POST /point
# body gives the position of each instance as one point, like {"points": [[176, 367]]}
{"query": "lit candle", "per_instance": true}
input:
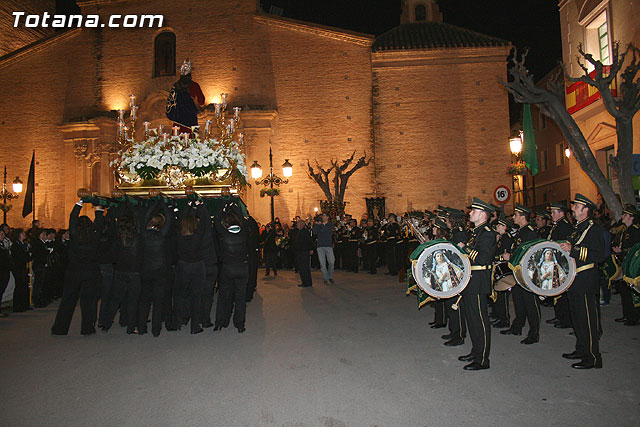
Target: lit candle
{"points": [[125, 132], [241, 137], [159, 129], [133, 112], [217, 109], [120, 128], [164, 137], [185, 139], [232, 125], [146, 129], [132, 100], [237, 113], [175, 130], [121, 116], [224, 99]]}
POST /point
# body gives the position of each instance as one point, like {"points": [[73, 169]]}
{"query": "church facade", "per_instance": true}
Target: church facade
{"points": [[423, 100]]}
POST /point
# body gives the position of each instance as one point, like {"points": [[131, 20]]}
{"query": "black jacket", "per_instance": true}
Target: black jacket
{"points": [[303, 241], [233, 241], [560, 230], [83, 255], [155, 255], [587, 248], [481, 248]]}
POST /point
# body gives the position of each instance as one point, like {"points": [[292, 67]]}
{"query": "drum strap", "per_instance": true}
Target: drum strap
{"points": [[584, 233], [585, 267]]}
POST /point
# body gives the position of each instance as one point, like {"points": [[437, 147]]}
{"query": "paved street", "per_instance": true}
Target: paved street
{"points": [[357, 353]]}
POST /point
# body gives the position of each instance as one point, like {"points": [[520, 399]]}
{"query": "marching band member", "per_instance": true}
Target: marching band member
{"points": [[586, 246], [560, 230], [526, 304], [457, 328], [504, 245], [631, 236], [481, 248]]}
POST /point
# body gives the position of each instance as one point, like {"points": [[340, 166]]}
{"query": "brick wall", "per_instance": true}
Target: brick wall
{"points": [[14, 38], [441, 132]]}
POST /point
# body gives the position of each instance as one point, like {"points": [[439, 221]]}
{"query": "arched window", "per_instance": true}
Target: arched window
{"points": [[164, 54], [421, 13]]}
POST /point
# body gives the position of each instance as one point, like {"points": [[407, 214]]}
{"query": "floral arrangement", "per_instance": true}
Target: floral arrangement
{"points": [[271, 192], [517, 168], [167, 158]]}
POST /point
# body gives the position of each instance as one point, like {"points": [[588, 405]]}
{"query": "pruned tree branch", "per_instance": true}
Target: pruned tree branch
{"points": [[321, 178]]}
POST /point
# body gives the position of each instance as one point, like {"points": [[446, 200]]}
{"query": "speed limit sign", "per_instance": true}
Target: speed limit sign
{"points": [[502, 194]]}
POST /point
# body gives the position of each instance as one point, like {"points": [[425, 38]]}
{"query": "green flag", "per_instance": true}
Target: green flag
{"points": [[529, 149]]}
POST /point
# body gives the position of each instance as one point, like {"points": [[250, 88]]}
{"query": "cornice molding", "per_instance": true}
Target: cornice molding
{"points": [[36, 47], [319, 30]]}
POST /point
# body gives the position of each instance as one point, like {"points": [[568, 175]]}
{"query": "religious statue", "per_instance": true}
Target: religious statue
{"points": [[185, 100]]}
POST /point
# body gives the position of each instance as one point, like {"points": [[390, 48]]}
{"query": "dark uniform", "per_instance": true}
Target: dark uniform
{"points": [[501, 305], [587, 248], [457, 326], [526, 304], [559, 231], [392, 234], [630, 237], [370, 253], [481, 248], [354, 236]]}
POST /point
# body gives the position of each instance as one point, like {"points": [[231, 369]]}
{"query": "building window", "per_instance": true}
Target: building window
{"points": [[597, 39], [560, 153], [421, 13], [543, 163], [603, 43], [164, 56]]}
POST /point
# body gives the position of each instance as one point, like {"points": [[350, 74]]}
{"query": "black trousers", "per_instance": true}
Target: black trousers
{"points": [[629, 312], [270, 259], [439, 316], [561, 310], [82, 284], [104, 292], [21, 294], [390, 257], [352, 257], [125, 292], [476, 315], [501, 307], [585, 315], [4, 282], [370, 256], [232, 294], [207, 294], [303, 260], [457, 324], [37, 291], [254, 259], [153, 292], [190, 283], [527, 307]]}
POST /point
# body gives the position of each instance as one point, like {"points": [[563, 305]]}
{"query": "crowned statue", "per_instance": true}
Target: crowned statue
{"points": [[185, 100]]}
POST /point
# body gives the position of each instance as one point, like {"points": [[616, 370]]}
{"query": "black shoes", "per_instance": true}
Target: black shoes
{"points": [[572, 356], [241, 329], [475, 366], [197, 331], [436, 326], [207, 325], [511, 332], [446, 336], [529, 340], [588, 364], [217, 328], [621, 319], [554, 320], [466, 358], [304, 286], [454, 342], [561, 326], [501, 325], [331, 281]]}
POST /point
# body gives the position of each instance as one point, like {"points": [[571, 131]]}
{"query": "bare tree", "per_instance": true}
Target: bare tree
{"points": [[341, 175], [621, 108], [550, 101]]}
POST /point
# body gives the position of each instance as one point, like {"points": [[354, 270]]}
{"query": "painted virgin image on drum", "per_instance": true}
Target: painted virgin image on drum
{"points": [[444, 270], [548, 268]]}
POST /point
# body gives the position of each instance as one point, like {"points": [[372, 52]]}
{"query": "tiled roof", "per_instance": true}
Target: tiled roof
{"points": [[432, 35]]}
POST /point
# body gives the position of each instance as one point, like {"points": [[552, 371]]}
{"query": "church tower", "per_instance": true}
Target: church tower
{"points": [[417, 11]]}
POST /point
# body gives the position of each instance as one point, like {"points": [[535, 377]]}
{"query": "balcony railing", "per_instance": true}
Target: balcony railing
{"points": [[580, 94]]}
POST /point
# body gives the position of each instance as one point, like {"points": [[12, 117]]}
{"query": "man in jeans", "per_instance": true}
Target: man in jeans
{"points": [[323, 230]]}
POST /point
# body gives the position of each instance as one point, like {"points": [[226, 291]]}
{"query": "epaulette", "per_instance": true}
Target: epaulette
{"points": [[487, 228], [531, 227]]}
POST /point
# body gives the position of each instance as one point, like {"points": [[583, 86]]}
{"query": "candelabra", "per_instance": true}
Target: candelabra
{"points": [[271, 179]]}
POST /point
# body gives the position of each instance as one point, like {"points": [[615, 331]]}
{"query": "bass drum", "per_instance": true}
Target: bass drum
{"points": [[542, 267], [631, 269], [503, 278], [440, 268]]}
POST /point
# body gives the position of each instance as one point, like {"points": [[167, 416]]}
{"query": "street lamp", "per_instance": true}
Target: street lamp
{"points": [[516, 145], [7, 195], [567, 152], [271, 179]]}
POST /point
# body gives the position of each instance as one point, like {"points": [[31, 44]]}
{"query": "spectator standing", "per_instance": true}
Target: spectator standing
{"points": [[323, 230]]}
